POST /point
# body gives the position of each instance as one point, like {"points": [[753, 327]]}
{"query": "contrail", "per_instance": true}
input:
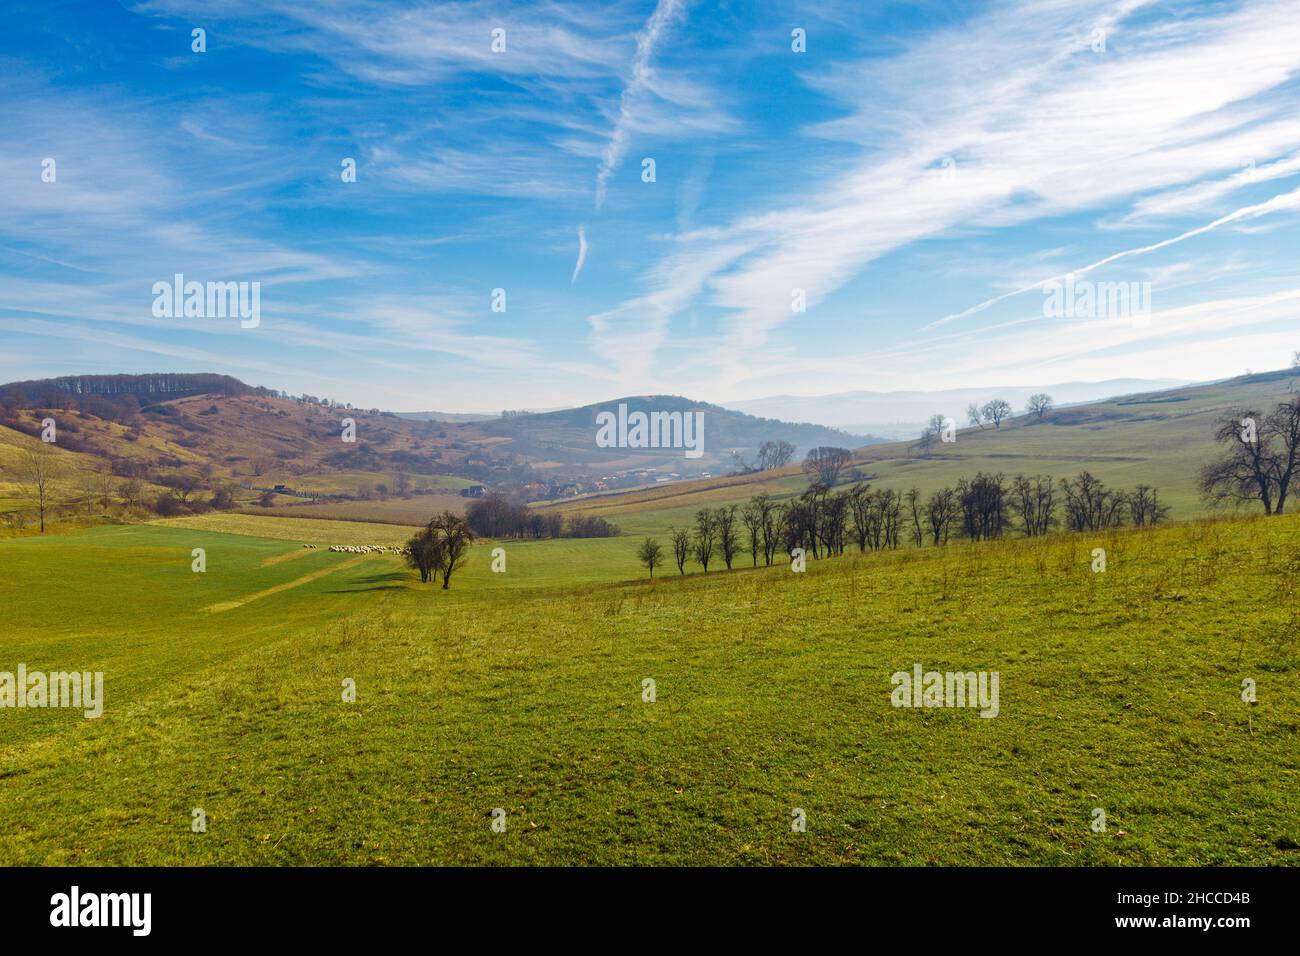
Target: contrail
{"points": [[645, 47], [1282, 201], [582, 254]]}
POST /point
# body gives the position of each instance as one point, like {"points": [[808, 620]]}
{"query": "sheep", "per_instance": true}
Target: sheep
{"points": [[367, 549]]}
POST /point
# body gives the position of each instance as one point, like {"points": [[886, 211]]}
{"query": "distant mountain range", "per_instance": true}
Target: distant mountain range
{"points": [[899, 415]]}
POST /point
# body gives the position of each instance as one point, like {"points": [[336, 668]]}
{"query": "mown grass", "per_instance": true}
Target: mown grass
{"points": [[302, 530], [1119, 690], [416, 510]]}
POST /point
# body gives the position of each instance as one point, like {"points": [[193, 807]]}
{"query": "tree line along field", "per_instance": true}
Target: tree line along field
{"points": [[1120, 690]]}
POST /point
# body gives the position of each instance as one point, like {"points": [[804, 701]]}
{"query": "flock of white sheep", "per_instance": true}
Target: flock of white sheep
{"points": [[362, 549]]}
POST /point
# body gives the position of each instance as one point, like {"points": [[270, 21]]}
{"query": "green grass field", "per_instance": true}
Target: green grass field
{"points": [[523, 691]]}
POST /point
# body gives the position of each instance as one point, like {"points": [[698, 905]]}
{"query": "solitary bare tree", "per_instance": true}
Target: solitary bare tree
{"points": [[37, 469], [774, 454], [825, 464], [933, 430], [453, 538], [1040, 404], [650, 554], [996, 410], [1262, 456]]}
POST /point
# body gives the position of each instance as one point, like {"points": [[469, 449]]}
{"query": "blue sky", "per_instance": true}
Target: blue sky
{"points": [[919, 171]]}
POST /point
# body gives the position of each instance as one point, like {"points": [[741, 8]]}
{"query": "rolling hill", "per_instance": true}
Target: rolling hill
{"points": [[400, 470], [204, 431], [1158, 438], [901, 415], [565, 437]]}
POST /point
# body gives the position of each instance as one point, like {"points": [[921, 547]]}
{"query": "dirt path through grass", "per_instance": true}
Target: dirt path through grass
{"points": [[296, 582], [287, 556]]}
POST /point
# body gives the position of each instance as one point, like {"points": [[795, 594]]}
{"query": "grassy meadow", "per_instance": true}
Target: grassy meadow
{"points": [[523, 691]]}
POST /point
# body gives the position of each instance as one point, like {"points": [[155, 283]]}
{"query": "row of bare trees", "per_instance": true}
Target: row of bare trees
{"points": [[825, 523], [992, 412], [996, 410]]}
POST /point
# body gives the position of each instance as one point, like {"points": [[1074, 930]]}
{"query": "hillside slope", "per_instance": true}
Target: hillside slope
{"points": [[1157, 438], [199, 432], [568, 436]]}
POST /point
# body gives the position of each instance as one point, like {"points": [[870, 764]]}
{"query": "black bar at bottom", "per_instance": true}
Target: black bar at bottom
{"points": [[337, 905]]}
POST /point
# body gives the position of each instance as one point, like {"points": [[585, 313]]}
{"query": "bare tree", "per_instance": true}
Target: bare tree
{"points": [[37, 469], [133, 492], [454, 538], [983, 504], [1145, 507], [803, 518], [751, 516], [825, 463], [424, 553], [1040, 404], [1090, 505], [705, 530], [914, 509], [772, 517], [1033, 499], [650, 554], [933, 430], [774, 454], [995, 410], [94, 485], [1262, 456], [975, 416], [1283, 426], [739, 466], [832, 522], [940, 511], [860, 507], [728, 536], [681, 548]]}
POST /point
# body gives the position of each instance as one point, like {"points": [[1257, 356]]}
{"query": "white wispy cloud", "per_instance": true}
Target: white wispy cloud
{"points": [[582, 254], [1036, 125], [664, 13]]}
